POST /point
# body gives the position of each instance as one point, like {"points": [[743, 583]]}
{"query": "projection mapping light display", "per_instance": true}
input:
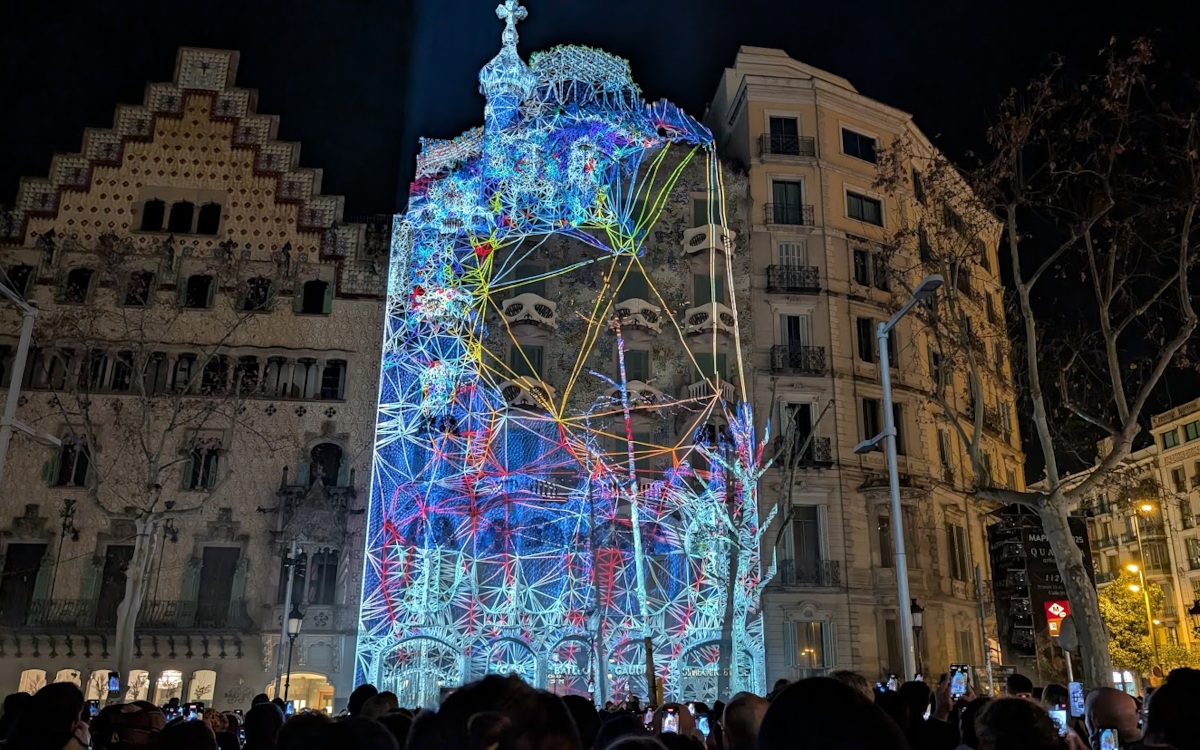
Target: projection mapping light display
{"points": [[566, 462]]}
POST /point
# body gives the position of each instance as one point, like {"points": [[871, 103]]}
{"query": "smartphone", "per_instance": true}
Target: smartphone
{"points": [[1076, 691], [114, 683], [691, 707], [1109, 740], [893, 683], [93, 708], [291, 708], [670, 721], [702, 725], [960, 680], [649, 719], [169, 713], [242, 735], [1059, 715]]}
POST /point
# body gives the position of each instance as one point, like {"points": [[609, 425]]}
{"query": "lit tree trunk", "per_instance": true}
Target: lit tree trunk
{"points": [[725, 666], [137, 577]]}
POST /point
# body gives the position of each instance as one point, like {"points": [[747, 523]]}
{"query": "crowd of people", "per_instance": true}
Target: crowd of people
{"points": [[839, 712]]}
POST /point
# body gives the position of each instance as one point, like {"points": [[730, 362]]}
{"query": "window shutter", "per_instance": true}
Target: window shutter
{"points": [[238, 592], [41, 584], [213, 284], [298, 299], [181, 292], [789, 643], [302, 472], [190, 588], [186, 476], [327, 305], [90, 587], [829, 644], [343, 477], [51, 467]]}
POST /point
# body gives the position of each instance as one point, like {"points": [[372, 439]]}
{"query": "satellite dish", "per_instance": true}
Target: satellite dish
{"points": [[1068, 639]]}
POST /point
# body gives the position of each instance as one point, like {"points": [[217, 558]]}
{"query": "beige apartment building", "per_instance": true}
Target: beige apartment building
{"points": [[822, 277], [209, 328], [1149, 515]]}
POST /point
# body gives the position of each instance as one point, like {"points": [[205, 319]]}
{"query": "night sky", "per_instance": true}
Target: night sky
{"points": [[357, 81]]}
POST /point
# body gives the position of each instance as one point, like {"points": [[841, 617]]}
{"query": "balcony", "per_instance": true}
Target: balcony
{"points": [[993, 420], [810, 573], [787, 145], [1105, 577], [714, 386], [79, 614], [713, 316], [794, 279], [640, 394], [527, 393], [709, 237], [793, 214], [61, 613], [531, 309], [804, 360], [637, 313], [818, 454]]}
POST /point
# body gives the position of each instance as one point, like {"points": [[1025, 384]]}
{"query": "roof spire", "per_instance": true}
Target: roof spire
{"points": [[511, 12]]}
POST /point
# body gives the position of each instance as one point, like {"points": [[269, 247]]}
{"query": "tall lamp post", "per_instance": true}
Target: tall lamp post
{"points": [[927, 289], [294, 621], [1146, 598], [918, 621]]}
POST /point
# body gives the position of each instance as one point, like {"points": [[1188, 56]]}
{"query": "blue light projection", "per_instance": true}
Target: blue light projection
{"points": [[543, 518]]}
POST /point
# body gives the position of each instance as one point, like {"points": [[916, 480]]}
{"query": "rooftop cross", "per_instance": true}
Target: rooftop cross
{"points": [[511, 12]]}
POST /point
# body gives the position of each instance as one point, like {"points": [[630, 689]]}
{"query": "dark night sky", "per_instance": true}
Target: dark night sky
{"points": [[356, 81]]}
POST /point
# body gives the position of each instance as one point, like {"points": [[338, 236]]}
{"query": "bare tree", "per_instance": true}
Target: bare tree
{"points": [[146, 434], [1096, 180]]}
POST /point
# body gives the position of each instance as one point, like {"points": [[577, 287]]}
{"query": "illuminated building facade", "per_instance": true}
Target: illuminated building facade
{"points": [[566, 460]]}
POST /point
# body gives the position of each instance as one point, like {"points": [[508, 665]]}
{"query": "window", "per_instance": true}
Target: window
{"points": [[898, 422], [810, 646], [218, 568], [944, 451], [937, 369], [787, 205], [870, 416], [19, 278], [153, 213], [529, 281], [215, 376], [862, 267], [708, 288], [858, 145], [333, 380], [257, 294], [200, 472], [122, 373], [275, 383], [316, 298], [76, 287], [180, 221], [1010, 476], [185, 369], [245, 375], [637, 365], [156, 373], [705, 212], [923, 246], [964, 642], [806, 542], [880, 272], [956, 551], [60, 369], [918, 186], [891, 635], [785, 136], [865, 209], [94, 371], [963, 279], [792, 254], [794, 331], [112, 582], [866, 339], [1191, 431], [953, 220], [634, 286], [325, 464], [1179, 479], [305, 378], [986, 479], [887, 549], [526, 361], [1156, 556], [137, 292], [7, 354], [74, 461], [712, 365], [321, 577], [1170, 439], [893, 337], [199, 292], [998, 355], [210, 219], [22, 563]]}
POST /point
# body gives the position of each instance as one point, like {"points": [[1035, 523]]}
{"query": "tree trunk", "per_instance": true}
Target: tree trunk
{"points": [[725, 666], [137, 575], [1085, 605]]}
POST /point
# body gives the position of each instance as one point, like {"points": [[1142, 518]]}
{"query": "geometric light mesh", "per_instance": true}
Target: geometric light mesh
{"points": [[543, 497]]}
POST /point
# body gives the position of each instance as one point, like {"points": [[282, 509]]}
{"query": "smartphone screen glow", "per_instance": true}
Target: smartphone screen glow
{"points": [[702, 725], [670, 722], [1059, 714]]}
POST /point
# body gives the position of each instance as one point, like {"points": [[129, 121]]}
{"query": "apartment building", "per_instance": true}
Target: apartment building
{"points": [[209, 329], [826, 267]]}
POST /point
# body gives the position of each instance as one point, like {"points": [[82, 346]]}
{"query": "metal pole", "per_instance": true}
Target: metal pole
{"points": [[287, 607], [28, 314], [983, 633], [1137, 529], [287, 685], [907, 647]]}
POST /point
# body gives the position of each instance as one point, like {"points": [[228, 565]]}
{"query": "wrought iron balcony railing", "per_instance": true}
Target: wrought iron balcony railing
{"points": [[63, 613], [810, 573], [806, 360], [789, 213], [786, 145], [798, 279]]}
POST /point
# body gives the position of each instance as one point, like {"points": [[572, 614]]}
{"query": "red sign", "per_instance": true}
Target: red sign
{"points": [[1055, 612]]}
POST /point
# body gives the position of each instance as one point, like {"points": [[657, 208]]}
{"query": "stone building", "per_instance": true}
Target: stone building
{"points": [[206, 354], [827, 265]]}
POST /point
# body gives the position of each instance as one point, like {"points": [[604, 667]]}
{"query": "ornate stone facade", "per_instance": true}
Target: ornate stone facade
{"points": [[247, 290]]}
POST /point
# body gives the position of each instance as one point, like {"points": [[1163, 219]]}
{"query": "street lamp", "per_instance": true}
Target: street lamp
{"points": [[927, 289], [1135, 588], [294, 621], [918, 621]]}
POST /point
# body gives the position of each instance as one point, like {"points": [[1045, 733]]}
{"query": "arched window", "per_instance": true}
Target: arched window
{"points": [[137, 291], [256, 296], [333, 379], [203, 461], [215, 377], [153, 212], [181, 218], [185, 369], [315, 299], [76, 286], [74, 460], [245, 375], [325, 461], [199, 291], [210, 219]]}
